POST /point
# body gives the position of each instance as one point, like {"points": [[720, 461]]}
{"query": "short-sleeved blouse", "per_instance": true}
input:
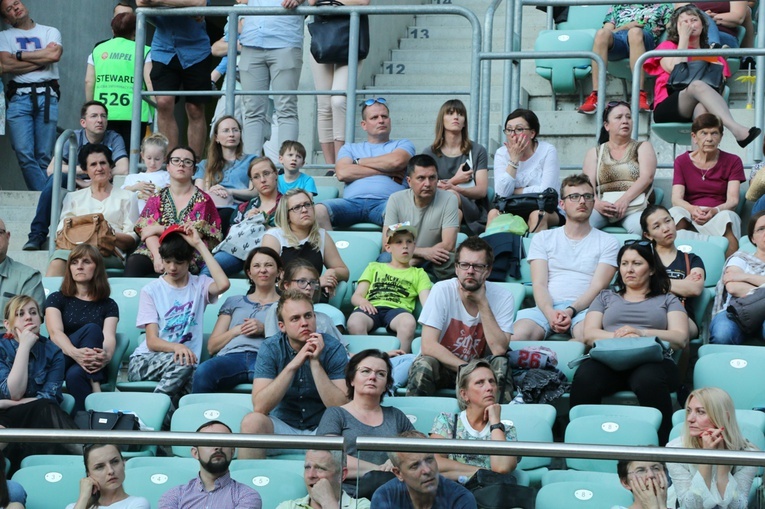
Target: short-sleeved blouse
{"points": [[617, 174], [199, 211], [707, 188], [444, 426], [76, 313], [650, 313]]}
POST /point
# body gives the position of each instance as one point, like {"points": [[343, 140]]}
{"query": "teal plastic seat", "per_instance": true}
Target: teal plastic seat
{"points": [[161, 462], [744, 244], [358, 343], [739, 373], [275, 485], [357, 251], [533, 423], [151, 408], [564, 73], [126, 292], [244, 400], [711, 252], [51, 284], [647, 414], [556, 476], [326, 193], [422, 410], [52, 460], [519, 293], [337, 316], [238, 287], [582, 495], [189, 417], [51, 486], [151, 482], [268, 463], [607, 430], [67, 404], [584, 17]]}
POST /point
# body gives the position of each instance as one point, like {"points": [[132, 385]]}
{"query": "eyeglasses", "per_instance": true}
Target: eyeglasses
{"points": [[516, 130], [370, 102], [261, 176], [305, 283], [639, 242], [576, 197], [642, 471], [365, 372], [478, 267], [297, 208], [177, 161], [234, 130]]}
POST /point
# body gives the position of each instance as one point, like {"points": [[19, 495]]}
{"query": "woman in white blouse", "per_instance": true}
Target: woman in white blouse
{"points": [[526, 165], [710, 423], [118, 206]]}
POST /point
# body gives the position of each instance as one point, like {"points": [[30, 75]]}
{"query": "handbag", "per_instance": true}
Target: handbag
{"points": [[330, 36], [243, 237], [756, 184], [493, 490], [748, 311], [524, 204], [90, 229], [108, 421], [684, 73], [622, 354]]}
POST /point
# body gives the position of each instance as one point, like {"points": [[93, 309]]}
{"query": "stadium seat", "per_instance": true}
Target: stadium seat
{"points": [[533, 423], [753, 418], [113, 368], [67, 404], [51, 486], [151, 408], [275, 485], [648, 414], [326, 193], [607, 430], [743, 350], [582, 494], [416, 345], [744, 244], [337, 316], [189, 417], [266, 464], [712, 253], [740, 375], [564, 73], [125, 292], [357, 252], [244, 400], [51, 284], [358, 343], [519, 293], [238, 287], [422, 410], [153, 481], [556, 476], [52, 460], [161, 462]]}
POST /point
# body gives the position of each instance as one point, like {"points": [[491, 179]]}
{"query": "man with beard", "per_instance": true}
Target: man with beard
{"points": [[464, 318], [214, 486], [569, 267], [418, 484]]}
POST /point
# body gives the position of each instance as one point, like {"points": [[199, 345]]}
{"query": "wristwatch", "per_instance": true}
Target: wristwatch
{"points": [[18, 56], [573, 311], [356, 161], [499, 425]]}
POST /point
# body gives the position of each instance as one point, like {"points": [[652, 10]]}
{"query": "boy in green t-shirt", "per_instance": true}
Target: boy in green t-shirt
{"points": [[387, 292]]}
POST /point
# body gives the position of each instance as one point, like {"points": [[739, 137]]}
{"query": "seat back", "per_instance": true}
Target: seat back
{"points": [[563, 73], [423, 410], [51, 460], [582, 494], [357, 249], [325, 193], [189, 417], [153, 481], [647, 414], [607, 430], [518, 291], [584, 17], [358, 343], [161, 462], [533, 423], [50, 486], [738, 373], [126, 293], [711, 252], [213, 398], [274, 484]]}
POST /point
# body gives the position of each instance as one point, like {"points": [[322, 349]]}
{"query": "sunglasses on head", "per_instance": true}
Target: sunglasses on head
{"points": [[370, 102], [639, 242]]}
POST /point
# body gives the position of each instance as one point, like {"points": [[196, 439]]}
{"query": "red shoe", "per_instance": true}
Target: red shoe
{"points": [[644, 104], [590, 104]]}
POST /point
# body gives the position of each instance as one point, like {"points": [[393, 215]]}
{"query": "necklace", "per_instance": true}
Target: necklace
{"points": [[698, 165]]}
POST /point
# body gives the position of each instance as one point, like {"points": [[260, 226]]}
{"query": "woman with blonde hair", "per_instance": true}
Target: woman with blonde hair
{"points": [[710, 424], [462, 164], [297, 235]]}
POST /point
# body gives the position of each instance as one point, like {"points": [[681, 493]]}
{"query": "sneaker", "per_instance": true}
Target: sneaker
{"points": [[644, 104], [590, 104]]}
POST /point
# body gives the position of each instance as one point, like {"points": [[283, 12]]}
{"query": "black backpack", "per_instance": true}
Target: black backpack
{"points": [[508, 253]]}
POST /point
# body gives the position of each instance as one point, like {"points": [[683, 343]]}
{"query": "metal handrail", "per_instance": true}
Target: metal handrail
{"points": [[58, 163], [233, 13], [731, 52]]}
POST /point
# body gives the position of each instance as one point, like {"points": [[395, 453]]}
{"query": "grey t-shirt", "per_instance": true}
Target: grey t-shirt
{"points": [[449, 166], [650, 313], [239, 308]]}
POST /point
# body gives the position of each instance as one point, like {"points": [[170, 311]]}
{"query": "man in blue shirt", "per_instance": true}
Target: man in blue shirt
{"points": [[371, 170], [94, 121], [418, 484], [298, 374], [181, 60]]}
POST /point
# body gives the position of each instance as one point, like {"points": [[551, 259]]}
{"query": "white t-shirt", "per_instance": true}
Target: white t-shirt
{"points": [[129, 503], [179, 312], [736, 261], [36, 38], [159, 178], [461, 333], [540, 171], [572, 263]]}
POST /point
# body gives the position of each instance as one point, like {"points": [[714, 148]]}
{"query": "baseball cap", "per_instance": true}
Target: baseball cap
{"points": [[175, 228], [406, 226]]}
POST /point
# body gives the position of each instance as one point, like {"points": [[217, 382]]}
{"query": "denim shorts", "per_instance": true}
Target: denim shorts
{"points": [[535, 315], [621, 47]]}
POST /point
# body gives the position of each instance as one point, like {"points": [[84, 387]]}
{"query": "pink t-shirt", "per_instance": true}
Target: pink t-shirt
{"points": [[653, 67], [711, 190]]}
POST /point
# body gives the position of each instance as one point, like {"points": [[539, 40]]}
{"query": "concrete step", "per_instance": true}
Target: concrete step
{"points": [[35, 259], [415, 55]]}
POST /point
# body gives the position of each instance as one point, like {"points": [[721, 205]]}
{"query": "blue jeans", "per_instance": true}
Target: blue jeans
{"points": [[230, 264], [31, 138], [41, 222], [401, 365], [224, 372], [715, 36], [347, 212], [759, 205], [724, 331], [77, 379]]}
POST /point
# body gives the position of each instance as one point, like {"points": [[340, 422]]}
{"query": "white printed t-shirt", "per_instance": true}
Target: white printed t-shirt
{"points": [[571, 263], [461, 333], [178, 312], [36, 38]]}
